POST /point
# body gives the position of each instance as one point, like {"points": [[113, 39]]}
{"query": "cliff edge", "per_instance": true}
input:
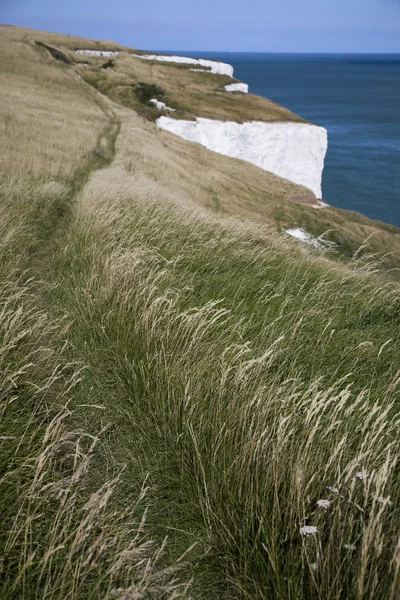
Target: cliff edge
{"points": [[295, 151]]}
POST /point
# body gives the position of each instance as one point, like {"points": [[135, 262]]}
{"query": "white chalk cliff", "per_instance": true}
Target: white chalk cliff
{"points": [[295, 151], [161, 105], [97, 52], [212, 66], [237, 87]]}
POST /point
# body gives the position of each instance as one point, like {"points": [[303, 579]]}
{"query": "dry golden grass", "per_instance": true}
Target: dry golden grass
{"points": [[193, 94], [49, 120], [196, 94], [70, 42]]}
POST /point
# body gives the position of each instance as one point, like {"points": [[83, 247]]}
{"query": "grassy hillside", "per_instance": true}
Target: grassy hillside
{"points": [[181, 384], [191, 94]]}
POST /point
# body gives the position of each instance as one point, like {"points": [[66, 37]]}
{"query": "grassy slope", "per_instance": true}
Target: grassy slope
{"points": [[227, 186], [230, 373], [192, 94]]}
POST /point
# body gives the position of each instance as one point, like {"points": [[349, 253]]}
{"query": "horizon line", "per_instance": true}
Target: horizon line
{"points": [[272, 52]]}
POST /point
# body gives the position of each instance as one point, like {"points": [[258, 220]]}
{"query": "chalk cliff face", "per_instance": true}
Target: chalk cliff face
{"points": [[295, 151], [104, 53], [212, 66], [237, 87]]}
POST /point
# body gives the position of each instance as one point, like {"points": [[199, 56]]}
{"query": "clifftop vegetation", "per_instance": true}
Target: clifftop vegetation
{"points": [[193, 405]]}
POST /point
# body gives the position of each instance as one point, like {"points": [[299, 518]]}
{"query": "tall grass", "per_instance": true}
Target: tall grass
{"points": [[63, 535], [255, 382], [63, 540]]}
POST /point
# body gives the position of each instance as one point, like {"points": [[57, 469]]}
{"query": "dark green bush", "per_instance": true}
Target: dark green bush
{"points": [[145, 92]]}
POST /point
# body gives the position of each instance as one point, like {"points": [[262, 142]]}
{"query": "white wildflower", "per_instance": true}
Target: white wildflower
{"points": [[386, 501], [332, 489], [324, 504], [313, 566], [308, 530], [361, 475], [350, 547]]}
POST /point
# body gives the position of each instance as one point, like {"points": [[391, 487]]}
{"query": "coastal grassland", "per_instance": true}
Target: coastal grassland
{"points": [[68, 42], [60, 535], [175, 369], [195, 94], [49, 121], [192, 94], [228, 186], [236, 188], [244, 378]]}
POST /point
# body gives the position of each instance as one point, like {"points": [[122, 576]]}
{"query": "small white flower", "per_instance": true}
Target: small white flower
{"points": [[332, 489], [350, 547], [313, 566], [308, 530], [361, 475], [324, 504], [386, 501]]}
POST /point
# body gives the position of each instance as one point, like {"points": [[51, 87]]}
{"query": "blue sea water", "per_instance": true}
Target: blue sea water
{"points": [[357, 99]]}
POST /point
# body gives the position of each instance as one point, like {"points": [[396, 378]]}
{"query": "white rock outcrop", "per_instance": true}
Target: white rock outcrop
{"points": [[161, 105], [212, 66], [237, 87], [307, 238], [97, 52], [295, 151], [299, 234]]}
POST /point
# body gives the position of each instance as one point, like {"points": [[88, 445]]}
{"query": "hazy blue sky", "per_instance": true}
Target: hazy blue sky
{"points": [[239, 25]]}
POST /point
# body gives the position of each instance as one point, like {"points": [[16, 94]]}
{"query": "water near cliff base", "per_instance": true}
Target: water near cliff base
{"points": [[356, 97]]}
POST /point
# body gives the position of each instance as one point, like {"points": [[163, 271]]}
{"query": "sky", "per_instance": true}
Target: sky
{"points": [[220, 25]]}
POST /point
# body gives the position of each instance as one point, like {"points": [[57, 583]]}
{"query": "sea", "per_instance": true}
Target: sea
{"points": [[357, 99]]}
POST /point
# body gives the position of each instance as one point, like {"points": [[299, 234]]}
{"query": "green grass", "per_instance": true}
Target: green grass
{"points": [[239, 454], [180, 386]]}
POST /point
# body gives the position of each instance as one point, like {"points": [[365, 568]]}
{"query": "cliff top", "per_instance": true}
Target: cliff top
{"points": [[132, 81], [53, 77]]}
